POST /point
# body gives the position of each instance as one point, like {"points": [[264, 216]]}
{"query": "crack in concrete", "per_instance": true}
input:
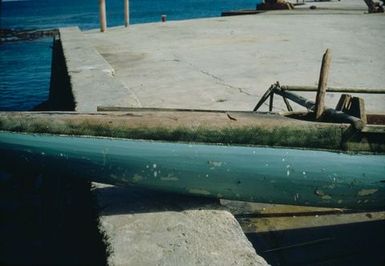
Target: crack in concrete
{"points": [[218, 79], [133, 95], [222, 82]]}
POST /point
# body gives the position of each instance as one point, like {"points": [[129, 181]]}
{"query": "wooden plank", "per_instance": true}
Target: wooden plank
{"points": [[240, 12], [266, 224], [334, 89], [322, 85]]}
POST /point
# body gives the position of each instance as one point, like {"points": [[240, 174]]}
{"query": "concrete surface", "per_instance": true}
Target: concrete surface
{"points": [[153, 228], [228, 62]]}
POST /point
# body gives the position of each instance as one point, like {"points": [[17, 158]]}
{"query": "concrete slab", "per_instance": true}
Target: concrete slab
{"points": [[153, 228]]}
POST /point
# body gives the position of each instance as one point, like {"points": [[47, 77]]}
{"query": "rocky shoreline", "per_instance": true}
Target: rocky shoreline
{"points": [[14, 35]]}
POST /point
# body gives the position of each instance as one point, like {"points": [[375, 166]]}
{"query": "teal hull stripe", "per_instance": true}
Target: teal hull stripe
{"points": [[261, 174]]}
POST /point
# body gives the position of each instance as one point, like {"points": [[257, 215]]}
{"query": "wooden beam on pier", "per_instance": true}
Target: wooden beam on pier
{"points": [[333, 89]]}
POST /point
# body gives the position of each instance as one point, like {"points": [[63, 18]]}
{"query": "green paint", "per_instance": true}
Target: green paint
{"points": [[245, 173]]}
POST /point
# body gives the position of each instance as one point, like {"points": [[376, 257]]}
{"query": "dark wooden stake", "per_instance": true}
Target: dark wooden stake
{"points": [[322, 85], [264, 98], [358, 109], [271, 102], [288, 106], [344, 102]]}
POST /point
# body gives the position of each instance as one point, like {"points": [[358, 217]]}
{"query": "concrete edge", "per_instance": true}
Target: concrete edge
{"points": [[156, 228], [91, 76]]}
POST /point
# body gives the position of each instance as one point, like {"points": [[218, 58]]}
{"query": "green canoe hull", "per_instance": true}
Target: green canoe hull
{"points": [[259, 174]]}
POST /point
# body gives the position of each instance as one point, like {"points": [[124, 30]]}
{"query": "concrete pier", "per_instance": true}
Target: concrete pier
{"points": [[223, 63], [227, 62]]}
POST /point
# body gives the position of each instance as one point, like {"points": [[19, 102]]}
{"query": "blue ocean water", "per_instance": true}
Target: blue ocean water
{"points": [[25, 66]]}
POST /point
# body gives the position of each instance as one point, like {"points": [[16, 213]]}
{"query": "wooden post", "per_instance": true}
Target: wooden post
{"points": [[102, 15], [343, 103], [357, 109], [271, 102], [322, 85], [126, 13], [288, 106]]}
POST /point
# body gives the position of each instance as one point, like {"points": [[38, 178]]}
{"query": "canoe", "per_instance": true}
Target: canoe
{"points": [[234, 155]]}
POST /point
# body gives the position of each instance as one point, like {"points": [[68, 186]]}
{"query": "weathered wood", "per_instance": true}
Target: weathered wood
{"points": [[264, 98], [226, 127], [322, 85], [333, 89], [343, 103], [249, 128], [329, 113], [341, 117], [357, 109], [102, 15], [376, 119], [308, 104], [288, 106], [374, 7], [240, 12], [271, 102], [353, 106], [126, 13]]}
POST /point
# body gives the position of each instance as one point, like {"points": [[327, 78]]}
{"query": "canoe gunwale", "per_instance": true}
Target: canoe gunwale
{"points": [[201, 126]]}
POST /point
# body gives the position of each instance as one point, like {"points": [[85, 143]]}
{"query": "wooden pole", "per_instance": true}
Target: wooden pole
{"points": [[102, 15], [333, 89], [329, 113], [126, 13], [271, 102], [322, 85], [298, 99]]}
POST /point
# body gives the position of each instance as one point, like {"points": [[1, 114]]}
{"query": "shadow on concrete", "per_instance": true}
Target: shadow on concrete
{"points": [[124, 200], [349, 244]]}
